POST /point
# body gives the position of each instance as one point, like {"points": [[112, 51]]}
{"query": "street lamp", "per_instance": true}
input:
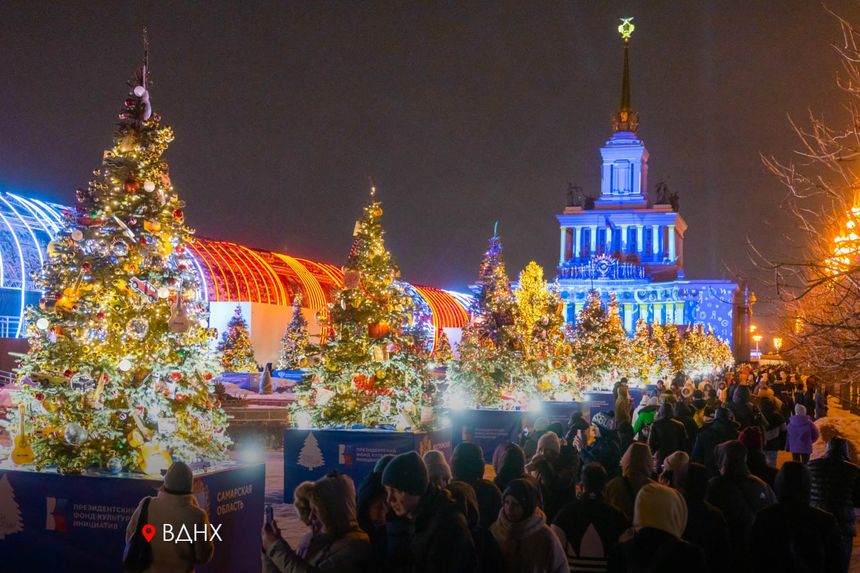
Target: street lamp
{"points": [[757, 339], [777, 343], [752, 328]]}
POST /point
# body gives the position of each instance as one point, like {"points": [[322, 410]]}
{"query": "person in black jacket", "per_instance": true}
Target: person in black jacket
{"points": [[722, 429], [372, 510], [684, 414], [667, 435], [752, 439], [468, 465], [659, 517], [791, 535], [739, 495], [486, 547], [440, 538], [836, 489], [706, 526], [590, 513], [606, 449], [775, 429]]}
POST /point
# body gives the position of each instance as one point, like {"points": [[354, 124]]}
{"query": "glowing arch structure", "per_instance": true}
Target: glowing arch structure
{"points": [[229, 272]]}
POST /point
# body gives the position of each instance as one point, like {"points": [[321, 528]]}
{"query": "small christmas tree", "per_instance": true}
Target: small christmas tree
{"points": [[599, 341], [374, 362], [237, 352], [674, 349], [10, 513], [310, 456], [443, 354], [118, 372], [295, 344], [642, 358], [662, 368], [489, 363]]}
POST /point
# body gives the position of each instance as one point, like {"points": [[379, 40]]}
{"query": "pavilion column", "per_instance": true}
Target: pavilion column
{"points": [[628, 316], [593, 240], [562, 246], [577, 238], [640, 239], [655, 239], [671, 229], [624, 238]]}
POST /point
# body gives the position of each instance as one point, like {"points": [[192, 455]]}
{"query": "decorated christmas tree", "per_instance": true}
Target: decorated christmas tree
{"points": [[118, 373], [237, 352], [674, 349], [696, 349], [489, 364], [295, 345], [443, 354], [642, 356], [662, 368], [10, 513], [541, 329], [599, 342], [373, 367]]}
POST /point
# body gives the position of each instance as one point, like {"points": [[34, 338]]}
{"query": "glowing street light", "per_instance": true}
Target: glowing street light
{"points": [[753, 328], [757, 339], [777, 343]]}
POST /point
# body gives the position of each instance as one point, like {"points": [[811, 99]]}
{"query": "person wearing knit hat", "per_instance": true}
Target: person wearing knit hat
{"points": [[801, 433], [527, 543], [174, 504], [659, 519], [468, 465], [438, 470], [675, 470], [335, 543], [529, 443], [440, 539]]}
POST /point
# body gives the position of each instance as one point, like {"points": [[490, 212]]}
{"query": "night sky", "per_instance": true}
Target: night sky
{"points": [[461, 112]]}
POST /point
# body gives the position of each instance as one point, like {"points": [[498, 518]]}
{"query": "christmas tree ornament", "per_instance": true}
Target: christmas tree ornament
{"points": [[77, 235], [137, 328], [114, 466], [152, 226], [125, 365], [119, 248], [131, 186], [42, 323], [163, 292], [22, 451], [149, 186], [175, 376], [74, 434], [379, 330], [178, 322], [351, 278], [154, 459]]}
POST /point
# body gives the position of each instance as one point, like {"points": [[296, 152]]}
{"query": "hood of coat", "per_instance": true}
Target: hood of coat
{"points": [[637, 460], [662, 508], [732, 456], [515, 530], [333, 497], [798, 421]]}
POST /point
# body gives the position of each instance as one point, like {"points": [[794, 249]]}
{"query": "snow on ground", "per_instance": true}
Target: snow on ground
{"points": [[838, 422]]}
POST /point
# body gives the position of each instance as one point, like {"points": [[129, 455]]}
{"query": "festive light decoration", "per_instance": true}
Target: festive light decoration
{"points": [[88, 385], [295, 346], [237, 352], [373, 367]]}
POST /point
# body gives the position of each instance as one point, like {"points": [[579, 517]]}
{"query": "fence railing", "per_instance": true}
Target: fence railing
{"points": [[849, 396], [6, 378]]}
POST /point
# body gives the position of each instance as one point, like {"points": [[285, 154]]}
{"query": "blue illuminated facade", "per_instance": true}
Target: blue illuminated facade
{"points": [[624, 243]]}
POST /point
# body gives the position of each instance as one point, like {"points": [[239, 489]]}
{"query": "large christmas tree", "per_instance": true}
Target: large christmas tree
{"points": [[295, 345], [489, 363], [237, 352], [118, 373], [600, 345], [541, 329], [373, 366]]}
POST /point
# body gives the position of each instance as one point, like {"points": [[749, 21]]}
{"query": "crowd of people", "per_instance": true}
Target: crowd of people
{"points": [[684, 481]]}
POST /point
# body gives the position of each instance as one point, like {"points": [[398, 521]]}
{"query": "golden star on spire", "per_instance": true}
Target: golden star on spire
{"points": [[626, 28]]}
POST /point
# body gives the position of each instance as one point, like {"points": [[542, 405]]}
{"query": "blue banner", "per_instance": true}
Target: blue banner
{"points": [[50, 522], [311, 454], [295, 375], [487, 428]]}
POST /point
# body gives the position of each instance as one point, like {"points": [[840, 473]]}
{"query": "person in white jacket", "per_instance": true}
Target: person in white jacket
{"points": [[175, 505]]}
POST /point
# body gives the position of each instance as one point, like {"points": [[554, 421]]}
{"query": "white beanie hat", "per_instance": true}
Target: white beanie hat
{"points": [[800, 409]]}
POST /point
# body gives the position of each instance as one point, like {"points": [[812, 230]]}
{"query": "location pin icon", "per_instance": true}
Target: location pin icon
{"points": [[148, 531]]}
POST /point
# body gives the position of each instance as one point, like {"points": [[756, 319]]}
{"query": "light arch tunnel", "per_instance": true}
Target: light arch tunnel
{"points": [[262, 283]]}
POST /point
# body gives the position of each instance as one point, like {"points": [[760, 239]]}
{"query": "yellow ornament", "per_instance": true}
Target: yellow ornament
{"points": [[376, 211], [153, 459], [135, 439], [152, 226], [380, 374]]}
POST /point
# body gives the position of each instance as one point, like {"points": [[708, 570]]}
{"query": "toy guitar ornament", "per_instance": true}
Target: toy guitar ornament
{"points": [[22, 453]]}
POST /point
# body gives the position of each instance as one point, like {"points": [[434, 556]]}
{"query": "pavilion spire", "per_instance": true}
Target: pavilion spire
{"points": [[625, 119]]}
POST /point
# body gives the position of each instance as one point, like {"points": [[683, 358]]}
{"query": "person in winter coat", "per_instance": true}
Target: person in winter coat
{"points": [[659, 519], [606, 449], [576, 429], [589, 528], [336, 543], [174, 504], [751, 438], [372, 513], [684, 414], [302, 502], [742, 406], [739, 495], [636, 466], [791, 535], [706, 526], [551, 473], [722, 429], [530, 440], [510, 464], [440, 537], [801, 434], [644, 418], [836, 489], [468, 465], [668, 435], [488, 552], [438, 469], [775, 430], [622, 406], [820, 401], [527, 543]]}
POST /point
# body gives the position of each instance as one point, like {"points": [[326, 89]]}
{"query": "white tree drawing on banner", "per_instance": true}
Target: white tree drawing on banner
{"points": [[10, 514], [310, 456]]}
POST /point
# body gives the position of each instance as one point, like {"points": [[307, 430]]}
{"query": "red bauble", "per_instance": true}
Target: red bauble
{"points": [[100, 316], [68, 373], [175, 376], [142, 240], [180, 396], [131, 186], [178, 214], [40, 396], [208, 376], [87, 266], [180, 248], [378, 329]]}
